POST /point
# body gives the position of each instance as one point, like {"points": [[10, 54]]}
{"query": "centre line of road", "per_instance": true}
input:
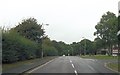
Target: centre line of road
{"points": [[74, 68], [70, 61], [76, 72]]}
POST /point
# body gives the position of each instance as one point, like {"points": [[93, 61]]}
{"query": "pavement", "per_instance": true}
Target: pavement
{"points": [[71, 65]]}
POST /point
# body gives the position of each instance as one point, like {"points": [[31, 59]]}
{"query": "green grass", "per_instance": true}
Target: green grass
{"points": [[113, 66], [99, 57]]}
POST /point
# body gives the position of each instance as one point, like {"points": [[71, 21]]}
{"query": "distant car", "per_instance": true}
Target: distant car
{"points": [[63, 55]]}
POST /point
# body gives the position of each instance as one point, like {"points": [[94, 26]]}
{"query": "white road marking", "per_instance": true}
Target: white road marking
{"points": [[39, 67], [76, 72], [91, 59], [91, 67], [73, 66]]}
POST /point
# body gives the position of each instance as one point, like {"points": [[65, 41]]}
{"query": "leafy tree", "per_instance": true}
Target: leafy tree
{"points": [[29, 28], [87, 46], [48, 48], [107, 29], [62, 48], [99, 44], [119, 28], [75, 48], [57, 46]]}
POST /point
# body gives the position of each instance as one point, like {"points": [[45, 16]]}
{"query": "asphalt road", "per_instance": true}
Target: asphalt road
{"points": [[72, 64]]}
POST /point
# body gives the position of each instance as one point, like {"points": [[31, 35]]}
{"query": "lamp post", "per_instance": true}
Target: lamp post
{"points": [[42, 39], [85, 46]]}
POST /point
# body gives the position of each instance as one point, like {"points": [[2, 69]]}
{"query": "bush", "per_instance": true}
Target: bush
{"points": [[16, 47], [9, 54]]}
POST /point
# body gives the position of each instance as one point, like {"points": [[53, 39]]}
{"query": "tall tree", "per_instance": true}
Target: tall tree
{"points": [[29, 28], [107, 30], [86, 46], [48, 48]]}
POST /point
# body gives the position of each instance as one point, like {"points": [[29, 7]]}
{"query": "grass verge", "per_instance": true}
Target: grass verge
{"points": [[113, 66], [99, 57]]}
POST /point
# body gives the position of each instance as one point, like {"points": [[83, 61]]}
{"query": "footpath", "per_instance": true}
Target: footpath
{"points": [[26, 67]]}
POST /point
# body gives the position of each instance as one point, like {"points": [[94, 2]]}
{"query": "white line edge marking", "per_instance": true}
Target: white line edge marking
{"points": [[40, 66]]}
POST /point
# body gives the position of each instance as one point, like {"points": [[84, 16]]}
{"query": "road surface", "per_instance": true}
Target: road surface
{"points": [[72, 64]]}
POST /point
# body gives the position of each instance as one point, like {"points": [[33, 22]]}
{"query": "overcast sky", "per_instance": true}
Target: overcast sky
{"points": [[69, 20]]}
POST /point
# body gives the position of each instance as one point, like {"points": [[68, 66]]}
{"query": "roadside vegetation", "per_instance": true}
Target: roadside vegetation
{"points": [[113, 66], [28, 39], [100, 57]]}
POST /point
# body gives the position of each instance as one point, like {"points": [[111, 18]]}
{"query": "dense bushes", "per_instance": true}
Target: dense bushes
{"points": [[26, 41], [16, 47]]}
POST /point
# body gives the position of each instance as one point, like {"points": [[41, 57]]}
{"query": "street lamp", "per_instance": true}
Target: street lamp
{"points": [[85, 46], [42, 39]]}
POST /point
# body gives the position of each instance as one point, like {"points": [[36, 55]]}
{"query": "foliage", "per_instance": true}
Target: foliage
{"points": [[88, 46], [26, 40], [16, 47], [61, 47], [29, 28], [107, 30], [48, 48]]}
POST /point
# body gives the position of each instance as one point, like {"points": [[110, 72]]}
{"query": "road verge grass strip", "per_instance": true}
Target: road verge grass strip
{"points": [[112, 66], [99, 57]]}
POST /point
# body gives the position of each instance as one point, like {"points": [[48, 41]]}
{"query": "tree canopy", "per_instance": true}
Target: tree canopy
{"points": [[106, 30]]}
